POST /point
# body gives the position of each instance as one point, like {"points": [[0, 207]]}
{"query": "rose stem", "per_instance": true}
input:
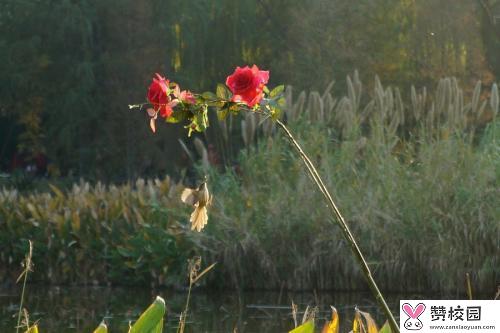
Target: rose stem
{"points": [[344, 227]]}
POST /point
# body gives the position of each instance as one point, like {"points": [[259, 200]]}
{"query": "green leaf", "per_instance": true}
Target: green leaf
{"points": [[308, 327], [281, 101], [275, 113], [223, 92], [177, 116], [151, 320], [222, 113], [211, 99], [102, 328], [209, 95], [386, 328], [276, 91], [159, 327], [266, 90], [199, 121]]}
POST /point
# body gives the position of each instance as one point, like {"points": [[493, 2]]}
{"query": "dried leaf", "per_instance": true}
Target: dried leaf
{"points": [[151, 112], [152, 124]]}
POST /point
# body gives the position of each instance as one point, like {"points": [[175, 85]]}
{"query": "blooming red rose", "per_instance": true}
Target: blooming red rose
{"points": [[247, 84], [158, 96]]}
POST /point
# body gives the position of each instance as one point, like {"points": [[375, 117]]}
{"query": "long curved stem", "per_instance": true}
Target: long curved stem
{"points": [[343, 226]]}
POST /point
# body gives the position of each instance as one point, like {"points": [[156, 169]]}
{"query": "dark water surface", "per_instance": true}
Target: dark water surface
{"points": [[73, 309]]}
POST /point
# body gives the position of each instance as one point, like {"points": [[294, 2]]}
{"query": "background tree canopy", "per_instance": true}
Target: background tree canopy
{"points": [[70, 68]]}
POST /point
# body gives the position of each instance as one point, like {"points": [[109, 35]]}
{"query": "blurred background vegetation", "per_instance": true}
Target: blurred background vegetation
{"points": [[70, 68], [418, 180], [408, 145]]}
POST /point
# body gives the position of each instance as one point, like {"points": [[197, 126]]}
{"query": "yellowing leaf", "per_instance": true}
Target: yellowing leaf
{"points": [[307, 327], [372, 326], [358, 326], [333, 325], [357, 323]]}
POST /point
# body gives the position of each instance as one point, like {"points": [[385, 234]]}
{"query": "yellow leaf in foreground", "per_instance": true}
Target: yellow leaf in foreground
{"points": [[358, 326], [102, 328], [33, 329], [308, 327], [333, 325], [386, 328], [150, 320]]}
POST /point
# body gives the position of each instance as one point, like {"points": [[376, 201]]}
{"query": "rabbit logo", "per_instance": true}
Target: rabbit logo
{"points": [[413, 323]]}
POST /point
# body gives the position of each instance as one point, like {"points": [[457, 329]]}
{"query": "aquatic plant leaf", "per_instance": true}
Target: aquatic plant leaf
{"points": [[159, 327], [151, 320], [307, 327], [386, 328], [102, 328], [333, 325], [370, 323], [358, 326], [32, 329]]}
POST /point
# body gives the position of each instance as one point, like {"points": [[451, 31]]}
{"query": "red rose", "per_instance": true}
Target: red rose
{"points": [[158, 96], [247, 84]]}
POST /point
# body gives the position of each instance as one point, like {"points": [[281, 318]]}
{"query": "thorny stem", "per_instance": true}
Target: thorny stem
{"points": [[344, 227]]}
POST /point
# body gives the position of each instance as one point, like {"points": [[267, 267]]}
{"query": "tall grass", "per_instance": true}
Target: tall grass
{"points": [[419, 183]]}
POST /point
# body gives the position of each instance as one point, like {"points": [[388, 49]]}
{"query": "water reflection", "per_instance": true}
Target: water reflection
{"points": [[73, 309]]}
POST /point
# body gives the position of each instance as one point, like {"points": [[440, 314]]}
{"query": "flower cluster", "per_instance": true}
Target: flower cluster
{"points": [[245, 89]]}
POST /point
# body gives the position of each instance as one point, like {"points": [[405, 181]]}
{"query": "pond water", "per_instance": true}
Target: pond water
{"points": [[73, 309]]}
